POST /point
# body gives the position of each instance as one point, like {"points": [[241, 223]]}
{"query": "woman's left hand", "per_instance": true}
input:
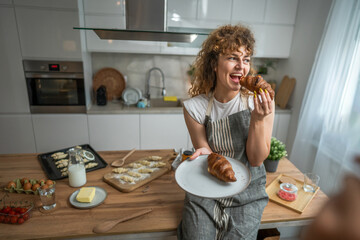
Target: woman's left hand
{"points": [[263, 107]]}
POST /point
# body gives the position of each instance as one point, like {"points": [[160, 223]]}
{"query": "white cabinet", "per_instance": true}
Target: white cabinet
{"points": [[272, 41], [63, 4], [47, 33], [281, 125], [248, 11], [56, 131], [114, 131], [6, 2], [272, 22], [17, 134], [163, 131], [180, 10], [13, 93], [214, 13], [281, 11]]}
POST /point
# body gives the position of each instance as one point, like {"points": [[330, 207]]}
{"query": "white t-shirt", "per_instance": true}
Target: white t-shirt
{"points": [[197, 106]]}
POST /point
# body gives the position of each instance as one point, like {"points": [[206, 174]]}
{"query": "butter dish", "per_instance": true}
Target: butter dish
{"points": [[99, 198]]}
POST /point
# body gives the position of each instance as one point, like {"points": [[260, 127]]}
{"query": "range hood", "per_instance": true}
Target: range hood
{"points": [[146, 21]]}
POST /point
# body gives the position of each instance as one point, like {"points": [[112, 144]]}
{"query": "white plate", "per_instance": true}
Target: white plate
{"points": [[100, 196], [131, 95], [193, 177]]}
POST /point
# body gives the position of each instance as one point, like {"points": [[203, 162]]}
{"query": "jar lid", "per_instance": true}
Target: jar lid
{"points": [[187, 152], [288, 187]]}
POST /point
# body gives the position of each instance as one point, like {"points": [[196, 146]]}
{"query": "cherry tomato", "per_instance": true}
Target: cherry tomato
{"points": [[7, 209], [20, 220], [12, 212], [26, 216], [7, 219], [13, 219], [22, 210]]}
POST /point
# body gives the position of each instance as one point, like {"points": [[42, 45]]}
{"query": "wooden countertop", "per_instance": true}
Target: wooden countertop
{"points": [[162, 195], [119, 108]]}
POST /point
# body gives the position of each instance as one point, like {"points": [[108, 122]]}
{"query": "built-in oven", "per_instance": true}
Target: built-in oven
{"points": [[55, 86]]}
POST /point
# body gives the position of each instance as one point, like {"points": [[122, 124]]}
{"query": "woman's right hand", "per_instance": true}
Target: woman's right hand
{"points": [[200, 151]]}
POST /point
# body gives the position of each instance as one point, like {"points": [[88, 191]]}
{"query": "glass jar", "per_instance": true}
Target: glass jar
{"points": [[186, 154], [288, 192], [76, 169]]}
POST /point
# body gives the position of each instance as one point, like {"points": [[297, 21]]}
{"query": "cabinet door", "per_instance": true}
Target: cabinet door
{"points": [[48, 33], [56, 131], [248, 11], [114, 132], [17, 134], [273, 40], [13, 93], [163, 131], [178, 11], [104, 7], [281, 11], [215, 10], [63, 4]]}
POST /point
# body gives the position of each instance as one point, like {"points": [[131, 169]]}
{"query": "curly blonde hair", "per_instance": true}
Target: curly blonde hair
{"points": [[225, 39]]}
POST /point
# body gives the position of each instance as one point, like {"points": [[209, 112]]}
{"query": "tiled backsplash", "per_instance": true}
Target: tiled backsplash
{"points": [[136, 66]]}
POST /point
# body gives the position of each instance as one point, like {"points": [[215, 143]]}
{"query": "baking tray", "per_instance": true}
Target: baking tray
{"points": [[53, 173], [303, 198]]}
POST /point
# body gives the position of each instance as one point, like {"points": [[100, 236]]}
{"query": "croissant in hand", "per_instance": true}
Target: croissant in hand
{"points": [[254, 83], [221, 168]]}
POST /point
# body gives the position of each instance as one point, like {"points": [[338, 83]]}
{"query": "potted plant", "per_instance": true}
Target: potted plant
{"points": [[277, 152], [263, 68]]}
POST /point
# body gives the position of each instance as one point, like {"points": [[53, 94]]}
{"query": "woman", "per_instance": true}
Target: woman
{"points": [[225, 118]]}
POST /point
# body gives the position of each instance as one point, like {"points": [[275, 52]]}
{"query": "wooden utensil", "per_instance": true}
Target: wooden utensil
{"points": [[120, 162], [106, 226]]}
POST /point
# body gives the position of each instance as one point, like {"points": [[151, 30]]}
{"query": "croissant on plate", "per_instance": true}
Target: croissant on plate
{"points": [[221, 168], [254, 83]]}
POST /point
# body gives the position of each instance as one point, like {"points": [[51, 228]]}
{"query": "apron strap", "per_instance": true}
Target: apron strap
{"points": [[209, 107]]}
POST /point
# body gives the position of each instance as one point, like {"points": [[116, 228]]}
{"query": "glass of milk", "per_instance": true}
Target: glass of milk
{"points": [[76, 169]]}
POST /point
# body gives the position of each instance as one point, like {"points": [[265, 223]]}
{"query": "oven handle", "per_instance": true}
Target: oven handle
{"points": [[54, 75]]}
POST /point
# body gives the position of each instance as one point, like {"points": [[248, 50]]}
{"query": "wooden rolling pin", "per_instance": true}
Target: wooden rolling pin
{"points": [[107, 225]]}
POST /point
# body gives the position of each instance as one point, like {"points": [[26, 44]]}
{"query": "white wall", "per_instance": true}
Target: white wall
{"points": [[309, 26]]}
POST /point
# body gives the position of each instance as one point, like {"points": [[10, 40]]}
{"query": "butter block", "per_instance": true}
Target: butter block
{"points": [[86, 194]]}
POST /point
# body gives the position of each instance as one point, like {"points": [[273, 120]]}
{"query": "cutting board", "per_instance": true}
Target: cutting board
{"points": [[284, 92], [303, 198], [112, 79], [113, 178]]}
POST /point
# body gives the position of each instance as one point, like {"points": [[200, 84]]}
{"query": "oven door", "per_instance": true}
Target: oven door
{"points": [[56, 93]]}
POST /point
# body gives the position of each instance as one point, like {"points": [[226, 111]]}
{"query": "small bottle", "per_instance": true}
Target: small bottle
{"points": [[186, 154], [76, 169]]}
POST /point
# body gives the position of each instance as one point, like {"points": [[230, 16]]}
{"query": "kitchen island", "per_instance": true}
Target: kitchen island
{"points": [[162, 195]]}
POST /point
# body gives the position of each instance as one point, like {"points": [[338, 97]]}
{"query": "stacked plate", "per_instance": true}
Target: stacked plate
{"points": [[131, 95]]}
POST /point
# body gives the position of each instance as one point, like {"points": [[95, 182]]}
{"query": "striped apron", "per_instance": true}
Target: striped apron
{"points": [[237, 217]]}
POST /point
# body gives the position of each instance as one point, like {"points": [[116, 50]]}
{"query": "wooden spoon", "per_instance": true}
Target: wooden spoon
{"points": [[106, 226], [120, 162]]}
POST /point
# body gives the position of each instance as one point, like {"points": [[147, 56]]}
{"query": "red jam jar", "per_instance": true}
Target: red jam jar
{"points": [[287, 192]]}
